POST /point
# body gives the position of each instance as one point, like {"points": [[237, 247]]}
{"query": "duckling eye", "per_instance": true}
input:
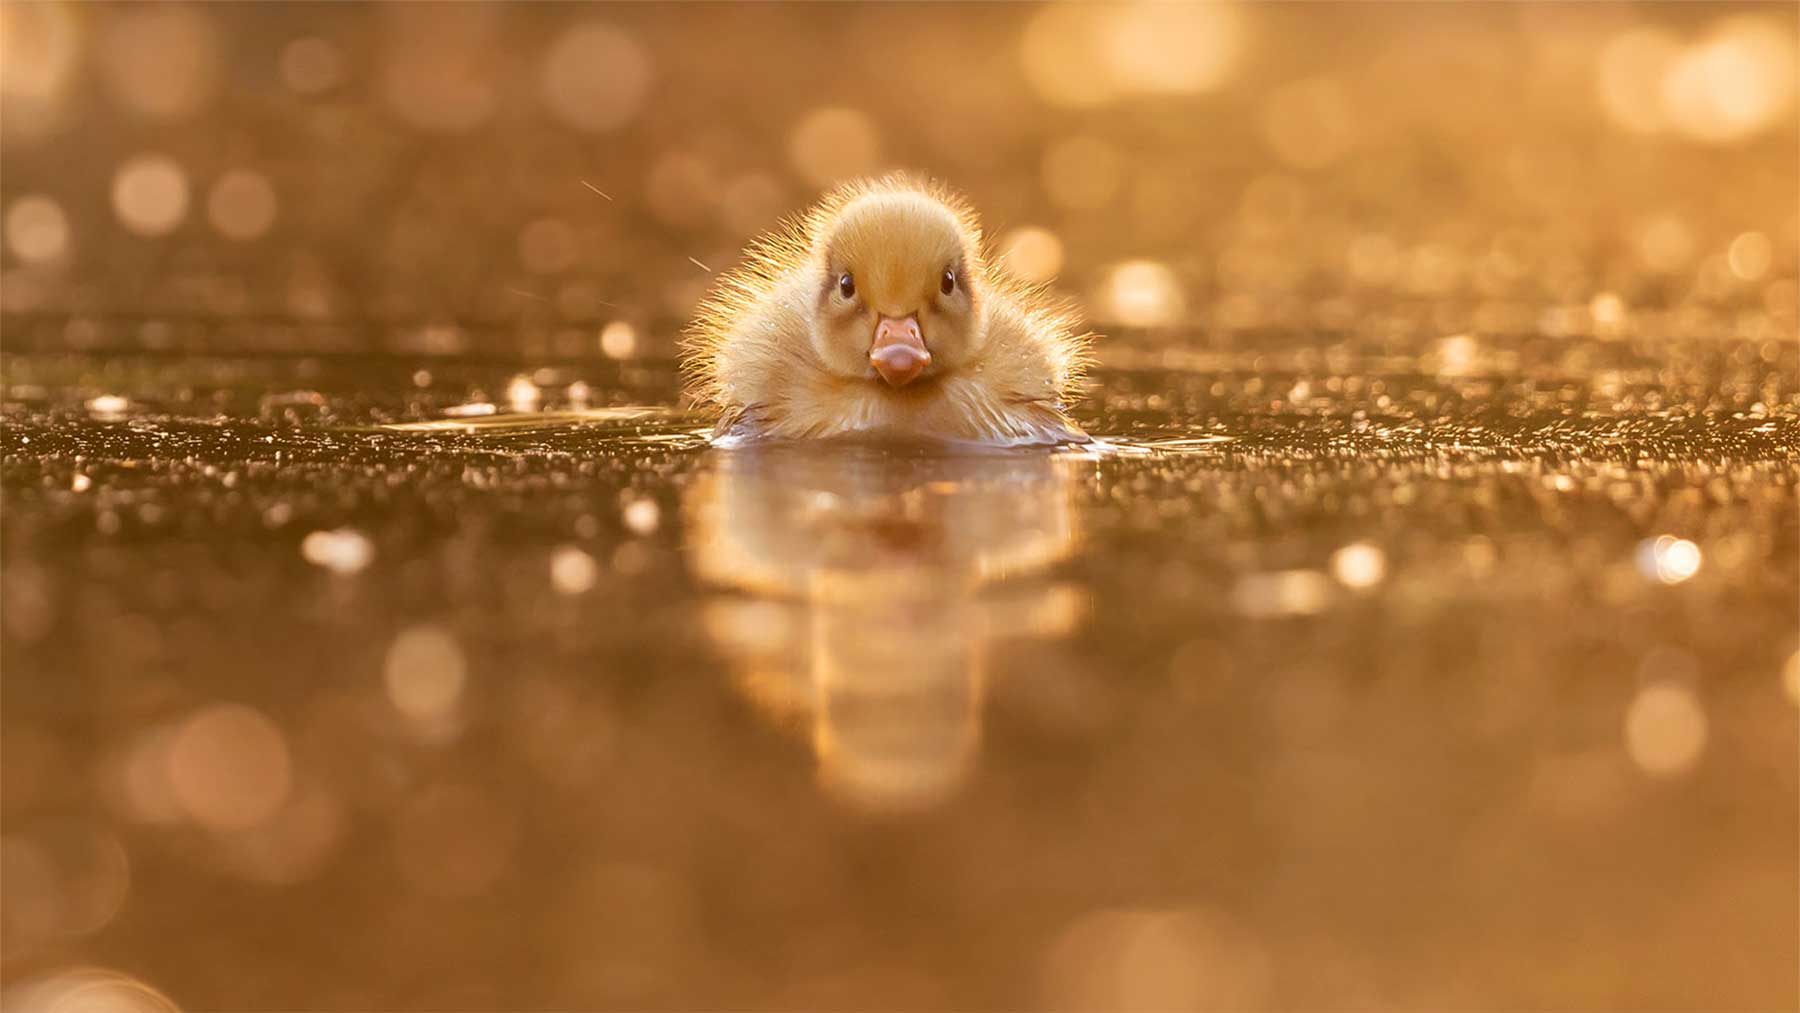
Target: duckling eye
{"points": [[948, 284], [846, 285]]}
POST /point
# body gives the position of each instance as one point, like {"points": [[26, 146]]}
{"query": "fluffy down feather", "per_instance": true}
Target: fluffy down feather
{"points": [[781, 351]]}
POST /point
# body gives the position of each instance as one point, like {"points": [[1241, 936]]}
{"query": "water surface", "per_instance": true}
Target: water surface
{"points": [[1334, 677]]}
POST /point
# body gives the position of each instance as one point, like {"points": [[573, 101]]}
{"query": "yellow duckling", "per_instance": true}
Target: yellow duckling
{"points": [[878, 312]]}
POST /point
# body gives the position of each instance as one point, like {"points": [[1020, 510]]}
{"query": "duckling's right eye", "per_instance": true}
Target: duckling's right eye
{"points": [[846, 285]]}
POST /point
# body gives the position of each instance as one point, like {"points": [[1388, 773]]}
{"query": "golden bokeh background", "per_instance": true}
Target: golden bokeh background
{"points": [[1206, 167], [378, 631]]}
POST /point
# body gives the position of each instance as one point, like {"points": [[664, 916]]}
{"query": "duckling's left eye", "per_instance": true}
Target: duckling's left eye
{"points": [[846, 285], [948, 284]]}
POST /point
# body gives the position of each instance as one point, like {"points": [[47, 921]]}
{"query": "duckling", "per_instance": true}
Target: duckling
{"points": [[879, 312]]}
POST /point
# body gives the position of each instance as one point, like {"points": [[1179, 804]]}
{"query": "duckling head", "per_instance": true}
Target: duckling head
{"points": [[899, 298]]}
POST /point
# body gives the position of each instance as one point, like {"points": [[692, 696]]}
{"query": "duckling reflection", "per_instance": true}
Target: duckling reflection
{"points": [[864, 592]]}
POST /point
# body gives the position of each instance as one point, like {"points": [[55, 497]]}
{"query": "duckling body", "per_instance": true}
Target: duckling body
{"points": [[878, 312]]}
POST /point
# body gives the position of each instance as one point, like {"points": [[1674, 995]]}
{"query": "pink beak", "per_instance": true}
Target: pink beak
{"points": [[899, 353]]}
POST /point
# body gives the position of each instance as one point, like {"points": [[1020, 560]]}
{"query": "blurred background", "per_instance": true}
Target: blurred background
{"points": [[378, 630], [429, 178]]}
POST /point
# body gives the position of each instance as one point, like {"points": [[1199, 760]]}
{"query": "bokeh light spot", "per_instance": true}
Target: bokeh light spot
{"points": [[241, 205], [1665, 729], [596, 78], [229, 767], [1060, 51], [1143, 959], [618, 340], [424, 674], [36, 230], [290, 846], [641, 516], [342, 550], [1174, 48], [39, 46], [1750, 255], [311, 66], [150, 194], [65, 879], [1609, 312], [145, 791], [87, 990], [1668, 559], [523, 395], [834, 144], [161, 61], [1359, 565], [1143, 293], [1735, 83], [572, 570], [439, 72], [108, 407], [1281, 593]]}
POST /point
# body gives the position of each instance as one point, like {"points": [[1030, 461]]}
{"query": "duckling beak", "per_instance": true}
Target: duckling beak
{"points": [[899, 353]]}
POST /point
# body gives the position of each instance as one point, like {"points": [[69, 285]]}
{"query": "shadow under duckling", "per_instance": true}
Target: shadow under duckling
{"points": [[878, 313]]}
